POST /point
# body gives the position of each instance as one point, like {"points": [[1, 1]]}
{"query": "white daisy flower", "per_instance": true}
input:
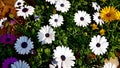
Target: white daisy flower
{"points": [[1, 22], [109, 65], [95, 6], [82, 18], [64, 57], [23, 45], [46, 35], [51, 1], [19, 3], [97, 18], [56, 20], [62, 5], [20, 64], [25, 11], [99, 45]]}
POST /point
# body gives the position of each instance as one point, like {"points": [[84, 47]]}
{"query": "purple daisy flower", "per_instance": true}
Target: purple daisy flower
{"points": [[7, 62], [8, 39]]}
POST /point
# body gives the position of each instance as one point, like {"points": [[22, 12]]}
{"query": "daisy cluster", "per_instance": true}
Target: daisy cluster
{"points": [[61, 35], [22, 44]]}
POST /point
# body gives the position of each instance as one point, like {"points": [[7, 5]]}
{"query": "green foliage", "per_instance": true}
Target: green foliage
{"points": [[70, 35]]}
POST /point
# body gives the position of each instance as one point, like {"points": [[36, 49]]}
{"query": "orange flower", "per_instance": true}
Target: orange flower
{"points": [[9, 29]]}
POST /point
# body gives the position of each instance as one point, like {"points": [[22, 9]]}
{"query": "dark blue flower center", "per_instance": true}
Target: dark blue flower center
{"points": [[82, 18], [99, 17], [63, 57], [98, 45], [56, 20], [96, 5], [62, 5], [25, 9], [19, 3], [24, 44], [47, 35]]}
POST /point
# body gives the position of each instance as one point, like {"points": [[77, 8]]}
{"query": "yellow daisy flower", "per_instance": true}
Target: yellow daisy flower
{"points": [[117, 15], [94, 27], [102, 32], [108, 13]]}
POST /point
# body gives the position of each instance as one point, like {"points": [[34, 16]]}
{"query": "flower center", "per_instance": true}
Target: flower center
{"points": [[56, 20], [25, 9], [19, 3], [7, 39], [24, 44], [62, 5], [63, 57], [96, 5], [47, 34], [108, 14], [98, 44], [99, 17], [81, 18]]}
